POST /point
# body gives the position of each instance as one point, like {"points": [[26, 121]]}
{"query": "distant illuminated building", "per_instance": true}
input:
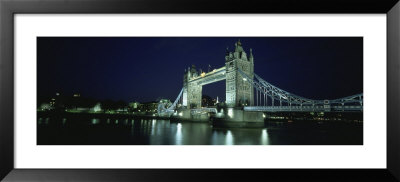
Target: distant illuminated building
{"points": [[82, 109], [53, 102], [77, 95], [207, 101], [122, 110], [134, 105], [165, 101], [45, 107], [148, 107], [97, 108]]}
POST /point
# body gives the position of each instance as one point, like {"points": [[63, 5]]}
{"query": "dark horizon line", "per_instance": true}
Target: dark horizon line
{"points": [[105, 99]]}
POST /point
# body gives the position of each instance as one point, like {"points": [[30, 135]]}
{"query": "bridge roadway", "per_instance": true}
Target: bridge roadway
{"points": [[304, 108], [288, 109]]}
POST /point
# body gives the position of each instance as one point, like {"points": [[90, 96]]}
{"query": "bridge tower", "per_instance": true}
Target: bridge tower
{"points": [[239, 91], [192, 91]]}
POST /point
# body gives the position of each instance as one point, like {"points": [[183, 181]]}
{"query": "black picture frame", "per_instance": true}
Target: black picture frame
{"points": [[8, 8]]}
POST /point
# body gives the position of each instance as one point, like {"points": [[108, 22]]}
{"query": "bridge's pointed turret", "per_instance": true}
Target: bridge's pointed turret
{"points": [[251, 58], [238, 46], [239, 51], [193, 71], [227, 54]]}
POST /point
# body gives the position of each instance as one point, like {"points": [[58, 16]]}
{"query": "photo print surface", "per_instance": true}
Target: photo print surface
{"points": [[200, 91]]}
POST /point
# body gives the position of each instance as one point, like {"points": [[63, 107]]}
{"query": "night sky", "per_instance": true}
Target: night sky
{"points": [[149, 68]]}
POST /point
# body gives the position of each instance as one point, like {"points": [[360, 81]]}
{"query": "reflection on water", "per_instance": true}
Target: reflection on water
{"points": [[95, 121], [178, 136], [229, 138], [264, 137], [108, 131]]}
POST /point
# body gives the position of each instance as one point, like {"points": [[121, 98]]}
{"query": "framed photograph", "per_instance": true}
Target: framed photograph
{"points": [[158, 90]]}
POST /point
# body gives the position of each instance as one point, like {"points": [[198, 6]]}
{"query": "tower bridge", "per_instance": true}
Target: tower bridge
{"points": [[245, 89], [238, 91]]}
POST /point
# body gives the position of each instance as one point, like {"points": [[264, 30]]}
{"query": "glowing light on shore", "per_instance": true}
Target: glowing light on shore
{"points": [[230, 112]]}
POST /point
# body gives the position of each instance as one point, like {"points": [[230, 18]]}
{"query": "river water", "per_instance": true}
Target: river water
{"points": [[107, 131]]}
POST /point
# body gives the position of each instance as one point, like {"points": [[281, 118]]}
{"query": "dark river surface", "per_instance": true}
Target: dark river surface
{"points": [[106, 131]]}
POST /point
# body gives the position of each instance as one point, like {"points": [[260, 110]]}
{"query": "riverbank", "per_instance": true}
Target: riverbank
{"points": [[283, 123], [99, 115]]}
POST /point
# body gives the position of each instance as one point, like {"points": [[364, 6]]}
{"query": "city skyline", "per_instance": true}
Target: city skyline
{"points": [[148, 68]]}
